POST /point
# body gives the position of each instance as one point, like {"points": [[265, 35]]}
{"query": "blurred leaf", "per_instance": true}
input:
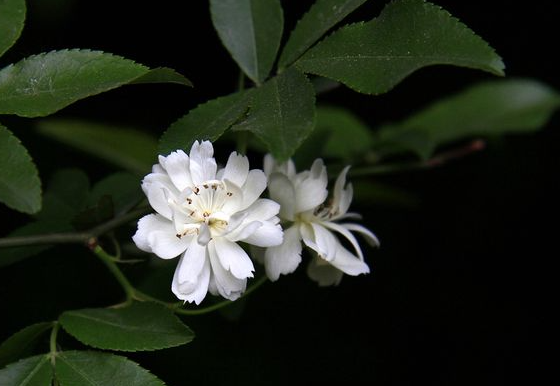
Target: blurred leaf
{"points": [[489, 108], [43, 84], [90, 368], [139, 327], [282, 113], [374, 56], [311, 148], [123, 188], [20, 187], [21, 343], [34, 371], [368, 193], [102, 211], [207, 121], [251, 31], [163, 75], [347, 135], [324, 85], [125, 147], [321, 17], [65, 196], [12, 18]]}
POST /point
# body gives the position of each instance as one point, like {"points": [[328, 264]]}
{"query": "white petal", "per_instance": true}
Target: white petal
{"points": [[262, 210], [346, 233], [348, 263], [204, 235], [177, 166], [366, 233], [237, 169], [284, 258], [234, 198], [312, 191], [243, 231], [282, 190], [342, 197], [222, 281], [158, 189], [146, 225], [233, 258], [202, 163], [327, 243], [269, 164], [253, 187], [267, 235], [308, 236], [156, 234], [192, 274], [323, 273]]}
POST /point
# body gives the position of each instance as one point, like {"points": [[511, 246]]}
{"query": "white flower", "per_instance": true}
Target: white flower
{"points": [[201, 214], [302, 202]]}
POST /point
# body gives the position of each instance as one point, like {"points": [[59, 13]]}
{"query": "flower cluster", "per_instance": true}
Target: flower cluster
{"points": [[203, 212]]}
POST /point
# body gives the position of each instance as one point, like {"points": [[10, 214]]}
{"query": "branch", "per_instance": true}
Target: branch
{"points": [[73, 237]]}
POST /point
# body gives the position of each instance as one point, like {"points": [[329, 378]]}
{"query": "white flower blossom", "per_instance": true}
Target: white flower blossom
{"points": [[202, 213], [302, 203]]}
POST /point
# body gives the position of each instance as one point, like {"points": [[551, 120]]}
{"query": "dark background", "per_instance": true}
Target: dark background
{"points": [[460, 289]]}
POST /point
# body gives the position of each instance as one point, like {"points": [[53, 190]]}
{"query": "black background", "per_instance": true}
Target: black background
{"points": [[460, 289]]}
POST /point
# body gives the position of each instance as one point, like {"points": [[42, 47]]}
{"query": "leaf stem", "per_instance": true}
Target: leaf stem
{"points": [[109, 262], [73, 237], [52, 341]]}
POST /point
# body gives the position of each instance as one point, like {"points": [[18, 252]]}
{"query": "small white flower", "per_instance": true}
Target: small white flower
{"points": [[202, 213], [302, 202]]}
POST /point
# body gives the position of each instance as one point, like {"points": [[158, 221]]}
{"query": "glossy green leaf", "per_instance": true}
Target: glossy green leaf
{"points": [[125, 147], [89, 368], [12, 18], [139, 327], [321, 17], [251, 31], [489, 108], [282, 114], [348, 136], [43, 84], [21, 343], [123, 189], [20, 187], [205, 122], [375, 56], [34, 371], [163, 75]]}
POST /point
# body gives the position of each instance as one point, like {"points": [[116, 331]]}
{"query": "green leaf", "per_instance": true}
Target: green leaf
{"points": [[251, 31], [348, 136], [321, 17], [163, 75], [65, 196], [20, 343], [489, 108], [124, 147], [34, 371], [20, 187], [139, 327], [282, 114], [12, 18], [205, 122], [375, 56], [43, 84], [89, 368], [123, 188]]}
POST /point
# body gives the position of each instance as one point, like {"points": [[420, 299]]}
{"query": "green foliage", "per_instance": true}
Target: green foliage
{"points": [[34, 371], [124, 147], [43, 84], [348, 136], [282, 113], [251, 31], [139, 327], [20, 187], [19, 344], [489, 108], [205, 122], [88, 368], [163, 75], [12, 17], [375, 56], [123, 189], [321, 17]]}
